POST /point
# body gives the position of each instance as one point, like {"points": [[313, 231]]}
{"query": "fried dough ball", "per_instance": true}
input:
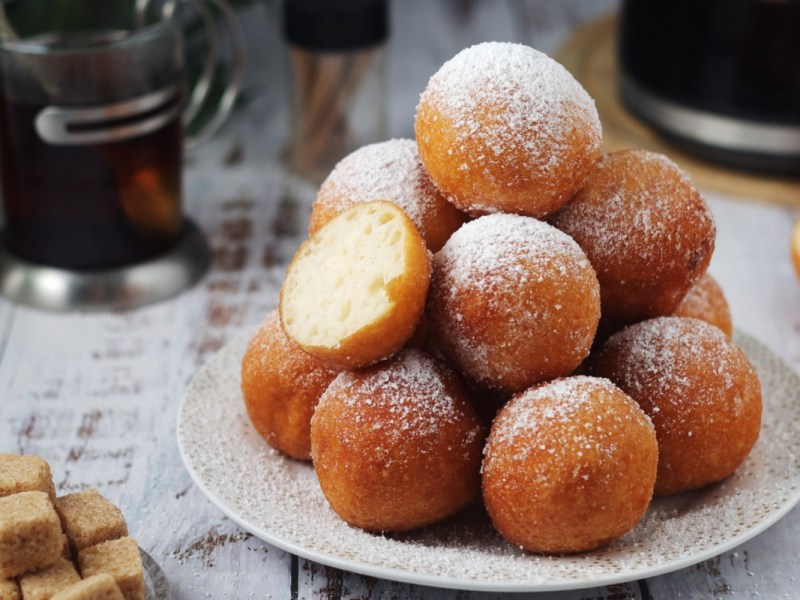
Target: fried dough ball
{"points": [[389, 171], [705, 301], [647, 232], [397, 446], [355, 291], [281, 385], [569, 466], [698, 388], [513, 301], [502, 127]]}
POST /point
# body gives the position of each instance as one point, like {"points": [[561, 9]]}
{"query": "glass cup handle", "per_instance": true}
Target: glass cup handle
{"points": [[203, 85]]}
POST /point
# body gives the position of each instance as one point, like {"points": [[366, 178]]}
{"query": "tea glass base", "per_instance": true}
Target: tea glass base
{"points": [[131, 286]]}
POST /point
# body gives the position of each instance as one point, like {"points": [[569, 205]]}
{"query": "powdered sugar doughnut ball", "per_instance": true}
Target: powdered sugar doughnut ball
{"points": [[397, 445], [513, 301], [504, 128], [647, 231], [569, 466], [281, 385], [706, 301], [389, 171], [699, 389]]}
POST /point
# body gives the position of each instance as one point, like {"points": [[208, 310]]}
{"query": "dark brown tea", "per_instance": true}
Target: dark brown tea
{"points": [[88, 207]]}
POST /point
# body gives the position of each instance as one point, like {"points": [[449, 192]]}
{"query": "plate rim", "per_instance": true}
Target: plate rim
{"points": [[447, 582]]}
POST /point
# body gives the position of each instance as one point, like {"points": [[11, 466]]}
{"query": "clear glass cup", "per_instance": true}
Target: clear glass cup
{"points": [[91, 143]]}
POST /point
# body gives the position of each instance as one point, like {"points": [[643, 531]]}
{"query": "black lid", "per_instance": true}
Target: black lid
{"points": [[335, 24]]}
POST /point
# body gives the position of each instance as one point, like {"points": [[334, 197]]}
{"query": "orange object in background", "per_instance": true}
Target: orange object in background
{"points": [[796, 248]]}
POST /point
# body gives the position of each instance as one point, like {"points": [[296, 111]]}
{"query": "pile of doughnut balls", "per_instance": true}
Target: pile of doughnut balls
{"points": [[498, 311]]}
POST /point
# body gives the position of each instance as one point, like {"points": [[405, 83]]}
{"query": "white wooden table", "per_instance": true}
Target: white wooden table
{"points": [[97, 394]]}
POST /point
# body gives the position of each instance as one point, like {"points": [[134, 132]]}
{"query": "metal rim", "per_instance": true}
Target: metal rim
{"points": [[710, 129], [55, 289], [203, 85]]}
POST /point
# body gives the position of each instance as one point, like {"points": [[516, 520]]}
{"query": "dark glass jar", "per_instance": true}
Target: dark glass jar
{"points": [[719, 77], [338, 80]]}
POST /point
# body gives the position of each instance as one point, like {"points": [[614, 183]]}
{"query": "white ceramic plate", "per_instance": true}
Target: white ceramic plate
{"points": [[279, 501]]}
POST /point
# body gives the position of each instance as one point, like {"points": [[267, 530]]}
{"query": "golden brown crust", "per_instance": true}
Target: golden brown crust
{"points": [[281, 385], [387, 334], [706, 301], [513, 302], [390, 171], [646, 230], [569, 466], [699, 389], [397, 446], [503, 128]]}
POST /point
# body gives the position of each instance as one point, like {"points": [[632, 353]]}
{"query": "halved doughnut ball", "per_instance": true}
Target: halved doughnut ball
{"points": [[355, 290], [569, 466], [513, 302], [397, 445], [391, 171], [281, 385], [504, 128], [706, 301], [698, 388], [646, 230]]}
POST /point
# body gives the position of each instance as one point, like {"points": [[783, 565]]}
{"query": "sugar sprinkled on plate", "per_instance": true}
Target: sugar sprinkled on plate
{"points": [[279, 500]]}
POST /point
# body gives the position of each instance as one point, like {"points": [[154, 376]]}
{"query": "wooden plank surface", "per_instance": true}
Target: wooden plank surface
{"points": [[97, 394]]}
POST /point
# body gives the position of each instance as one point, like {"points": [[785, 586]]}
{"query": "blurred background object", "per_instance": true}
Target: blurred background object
{"points": [[92, 109], [338, 80], [591, 53], [719, 77]]}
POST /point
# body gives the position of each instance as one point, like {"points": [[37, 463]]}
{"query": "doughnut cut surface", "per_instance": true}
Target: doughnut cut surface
{"points": [[356, 289]]}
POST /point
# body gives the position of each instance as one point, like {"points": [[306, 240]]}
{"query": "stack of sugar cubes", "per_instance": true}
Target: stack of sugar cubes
{"points": [[75, 547]]}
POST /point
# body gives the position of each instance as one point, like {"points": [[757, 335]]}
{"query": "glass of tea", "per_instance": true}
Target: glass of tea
{"points": [[91, 141]]}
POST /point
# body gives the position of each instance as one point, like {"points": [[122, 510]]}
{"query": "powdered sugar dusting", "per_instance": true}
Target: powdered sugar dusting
{"points": [[487, 253], [390, 170], [409, 390], [682, 362], [632, 209], [700, 298], [387, 170], [536, 109], [279, 500], [499, 258], [576, 419], [706, 301]]}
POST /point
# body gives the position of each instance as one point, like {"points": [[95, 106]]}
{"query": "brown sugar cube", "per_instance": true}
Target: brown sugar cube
{"points": [[120, 559], [30, 533], [66, 552], [25, 473], [96, 587], [89, 519], [42, 585], [9, 590]]}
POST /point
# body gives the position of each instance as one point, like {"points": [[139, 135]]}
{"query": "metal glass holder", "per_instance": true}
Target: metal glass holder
{"points": [[56, 289]]}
